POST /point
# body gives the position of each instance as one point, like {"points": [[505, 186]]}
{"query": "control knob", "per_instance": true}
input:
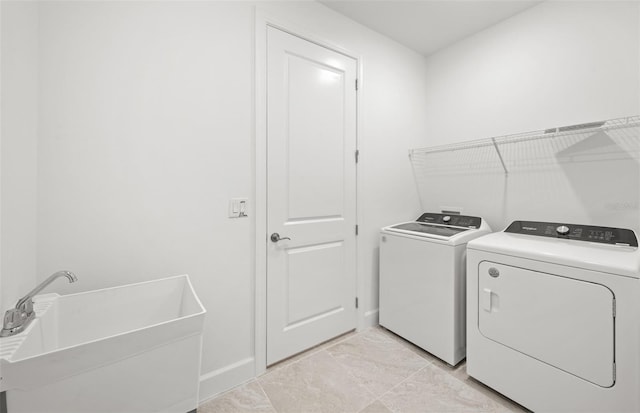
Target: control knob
{"points": [[446, 218], [562, 230]]}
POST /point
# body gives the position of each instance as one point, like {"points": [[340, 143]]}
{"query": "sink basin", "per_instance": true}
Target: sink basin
{"points": [[78, 334]]}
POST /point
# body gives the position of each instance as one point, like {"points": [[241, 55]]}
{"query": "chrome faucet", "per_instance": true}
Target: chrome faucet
{"points": [[18, 318]]}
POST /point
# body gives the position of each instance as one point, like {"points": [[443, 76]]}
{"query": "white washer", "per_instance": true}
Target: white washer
{"points": [[422, 281], [553, 316]]}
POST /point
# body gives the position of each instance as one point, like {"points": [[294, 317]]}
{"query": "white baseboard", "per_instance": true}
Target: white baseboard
{"points": [[371, 318], [225, 378]]}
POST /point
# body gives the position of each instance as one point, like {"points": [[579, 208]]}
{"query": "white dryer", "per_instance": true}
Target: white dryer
{"points": [[422, 281], [553, 316]]}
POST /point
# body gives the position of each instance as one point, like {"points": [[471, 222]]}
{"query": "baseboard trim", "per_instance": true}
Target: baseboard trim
{"points": [[225, 378], [371, 318]]}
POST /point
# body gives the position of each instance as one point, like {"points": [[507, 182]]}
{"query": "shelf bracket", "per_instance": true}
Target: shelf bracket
{"points": [[495, 145]]}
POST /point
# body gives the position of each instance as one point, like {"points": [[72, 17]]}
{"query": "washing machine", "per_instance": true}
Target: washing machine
{"points": [[422, 281], [553, 316]]}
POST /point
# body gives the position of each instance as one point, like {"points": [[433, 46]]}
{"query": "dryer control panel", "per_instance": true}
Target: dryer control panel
{"points": [[454, 220], [590, 233]]}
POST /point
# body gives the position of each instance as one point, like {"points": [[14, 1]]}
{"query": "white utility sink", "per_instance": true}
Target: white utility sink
{"points": [[111, 338]]}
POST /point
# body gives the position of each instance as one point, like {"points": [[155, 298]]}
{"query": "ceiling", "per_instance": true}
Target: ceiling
{"points": [[428, 25]]}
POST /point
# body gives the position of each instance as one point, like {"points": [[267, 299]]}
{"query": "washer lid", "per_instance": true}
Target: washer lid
{"points": [[442, 228], [440, 233], [429, 229], [614, 259]]}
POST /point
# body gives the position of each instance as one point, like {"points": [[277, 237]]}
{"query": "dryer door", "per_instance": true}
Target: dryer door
{"points": [[564, 322]]}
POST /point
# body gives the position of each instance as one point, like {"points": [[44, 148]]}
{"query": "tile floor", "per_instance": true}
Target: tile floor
{"points": [[373, 371]]}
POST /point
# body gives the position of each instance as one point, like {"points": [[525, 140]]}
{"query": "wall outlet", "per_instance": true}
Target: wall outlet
{"points": [[238, 207]]}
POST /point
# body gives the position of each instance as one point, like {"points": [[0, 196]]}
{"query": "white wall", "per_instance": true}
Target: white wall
{"points": [[145, 126], [556, 64], [18, 143], [146, 131]]}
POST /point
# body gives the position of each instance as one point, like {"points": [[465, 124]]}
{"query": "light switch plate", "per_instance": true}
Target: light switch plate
{"points": [[238, 207]]}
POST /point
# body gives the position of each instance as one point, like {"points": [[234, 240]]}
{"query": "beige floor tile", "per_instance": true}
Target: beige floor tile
{"points": [[460, 373], [315, 384], [349, 373], [432, 389], [376, 360], [376, 407], [311, 351], [417, 350], [246, 398]]}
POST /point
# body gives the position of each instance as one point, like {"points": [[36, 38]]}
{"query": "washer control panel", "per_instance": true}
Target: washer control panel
{"points": [[591, 233], [453, 220]]}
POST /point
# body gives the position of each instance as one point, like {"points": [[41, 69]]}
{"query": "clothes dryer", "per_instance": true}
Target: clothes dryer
{"points": [[553, 316], [422, 281]]}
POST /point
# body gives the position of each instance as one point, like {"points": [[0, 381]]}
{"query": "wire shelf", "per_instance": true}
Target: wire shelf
{"points": [[616, 139], [584, 173]]}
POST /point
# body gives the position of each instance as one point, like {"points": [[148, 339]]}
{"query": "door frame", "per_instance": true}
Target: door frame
{"points": [[263, 20]]}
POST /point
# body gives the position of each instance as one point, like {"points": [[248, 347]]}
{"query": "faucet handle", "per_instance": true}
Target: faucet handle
{"points": [[25, 305], [15, 321], [12, 318]]}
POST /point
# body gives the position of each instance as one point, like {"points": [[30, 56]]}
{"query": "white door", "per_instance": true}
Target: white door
{"points": [[311, 194], [566, 323]]}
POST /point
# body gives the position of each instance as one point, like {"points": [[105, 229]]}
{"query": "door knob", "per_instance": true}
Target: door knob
{"points": [[275, 237]]}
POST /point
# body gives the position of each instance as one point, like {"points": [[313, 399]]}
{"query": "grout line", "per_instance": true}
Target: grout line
{"points": [[224, 393], [267, 396], [353, 376], [404, 380], [385, 405], [312, 351], [501, 399], [498, 397], [320, 348], [404, 348]]}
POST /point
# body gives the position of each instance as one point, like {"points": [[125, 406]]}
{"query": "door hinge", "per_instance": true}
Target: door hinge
{"points": [[357, 155], [614, 308], [357, 307], [356, 84], [356, 230]]}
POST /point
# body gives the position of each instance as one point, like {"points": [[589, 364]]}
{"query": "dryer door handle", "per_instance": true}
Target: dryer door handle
{"points": [[486, 299]]}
